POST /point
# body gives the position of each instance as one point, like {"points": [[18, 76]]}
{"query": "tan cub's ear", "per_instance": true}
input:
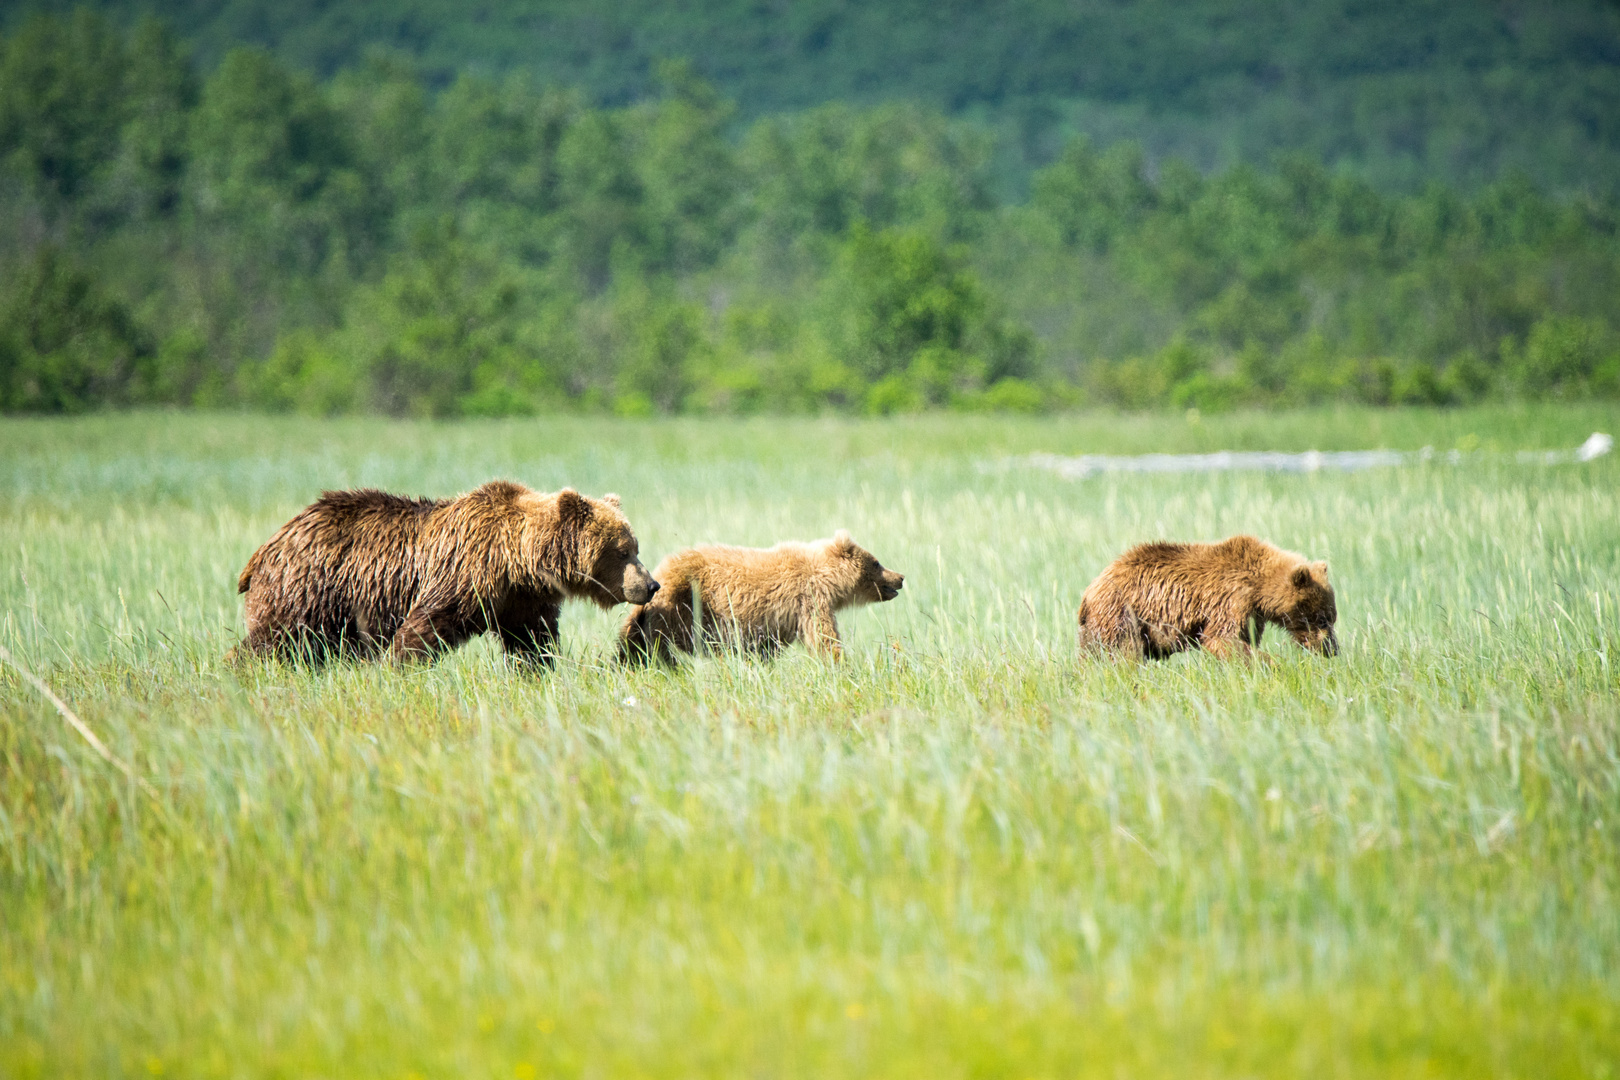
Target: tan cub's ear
{"points": [[1319, 568], [572, 507], [842, 541], [1301, 576], [612, 500]]}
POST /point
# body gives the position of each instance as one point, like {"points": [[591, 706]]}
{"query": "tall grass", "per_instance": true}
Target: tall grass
{"points": [[964, 852]]}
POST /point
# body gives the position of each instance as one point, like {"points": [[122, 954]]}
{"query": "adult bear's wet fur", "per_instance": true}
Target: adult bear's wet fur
{"points": [[363, 573]]}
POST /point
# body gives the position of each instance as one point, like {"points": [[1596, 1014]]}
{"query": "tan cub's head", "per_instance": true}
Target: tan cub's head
{"points": [[1306, 607], [593, 542], [861, 578]]}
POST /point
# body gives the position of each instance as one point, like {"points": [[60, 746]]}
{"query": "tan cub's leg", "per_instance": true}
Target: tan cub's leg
{"points": [[819, 629]]}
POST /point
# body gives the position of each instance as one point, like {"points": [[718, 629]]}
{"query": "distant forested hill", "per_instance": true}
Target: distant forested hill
{"points": [[1399, 91], [184, 230]]}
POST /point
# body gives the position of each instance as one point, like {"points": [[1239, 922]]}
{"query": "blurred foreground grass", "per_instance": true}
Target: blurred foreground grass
{"points": [[964, 853]]}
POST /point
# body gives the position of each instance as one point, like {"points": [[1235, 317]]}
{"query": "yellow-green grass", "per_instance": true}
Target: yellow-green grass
{"points": [[964, 852]]}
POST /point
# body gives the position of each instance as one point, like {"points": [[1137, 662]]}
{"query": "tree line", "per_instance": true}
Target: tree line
{"points": [[251, 236]]}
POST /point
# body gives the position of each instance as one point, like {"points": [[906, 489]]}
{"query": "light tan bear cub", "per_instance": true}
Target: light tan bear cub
{"points": [[757, 600], [1159, 599], [366, 573]]}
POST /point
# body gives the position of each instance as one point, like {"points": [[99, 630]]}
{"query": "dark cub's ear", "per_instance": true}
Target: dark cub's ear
{"points": [[572, 507], [612, 500], [1301, 577], [842, 543]]}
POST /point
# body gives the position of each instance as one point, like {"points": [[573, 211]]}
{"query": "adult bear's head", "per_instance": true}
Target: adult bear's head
{"points": [[587, 546]]}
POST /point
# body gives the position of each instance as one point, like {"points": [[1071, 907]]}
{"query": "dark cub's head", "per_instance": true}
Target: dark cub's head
{"points": [[860, 578], [1307, 609]]}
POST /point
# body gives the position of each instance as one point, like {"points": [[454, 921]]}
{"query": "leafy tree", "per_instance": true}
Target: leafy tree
{"points": [[1092, 198], [62, 103], [913, 323], [160, 91], [821, 172], [1566, 356], [601, 220], [687, 172], [436, 336], [496, 155], [65, 346], [643, 344], [273, 165], [387, 111]]}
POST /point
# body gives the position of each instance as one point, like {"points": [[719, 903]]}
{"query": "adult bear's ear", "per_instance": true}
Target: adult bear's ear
{"points": [[612, 500], [842, 542], [572, 507], [1301, 577]]}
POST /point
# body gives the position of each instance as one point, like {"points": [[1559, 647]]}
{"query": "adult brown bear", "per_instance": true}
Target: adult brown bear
{"points": [[758, 600], [1158, 599], [364, 572]]}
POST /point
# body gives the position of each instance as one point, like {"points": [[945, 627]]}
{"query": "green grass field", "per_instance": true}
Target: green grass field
{"points": [[963, 853]]}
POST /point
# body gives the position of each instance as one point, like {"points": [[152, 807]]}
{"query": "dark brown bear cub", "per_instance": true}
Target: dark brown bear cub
{"points": [[363, 572], [1158, 599], [757, 600]]}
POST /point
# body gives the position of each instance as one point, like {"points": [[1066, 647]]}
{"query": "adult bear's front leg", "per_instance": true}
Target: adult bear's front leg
{"points": [[430, 629], [530, 634]]}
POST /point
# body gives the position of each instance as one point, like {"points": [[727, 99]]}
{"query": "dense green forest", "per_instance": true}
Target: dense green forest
{"points": [[383, 236]]}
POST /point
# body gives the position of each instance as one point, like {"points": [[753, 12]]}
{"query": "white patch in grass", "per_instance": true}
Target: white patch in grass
{"points": [[1085, 465]]}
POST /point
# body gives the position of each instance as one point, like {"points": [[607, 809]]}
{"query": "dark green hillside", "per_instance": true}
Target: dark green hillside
{"points": [[1401, 90]]}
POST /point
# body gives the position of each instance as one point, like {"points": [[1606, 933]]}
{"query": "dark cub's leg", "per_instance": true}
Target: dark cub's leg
{"points": [[1253, 628]]}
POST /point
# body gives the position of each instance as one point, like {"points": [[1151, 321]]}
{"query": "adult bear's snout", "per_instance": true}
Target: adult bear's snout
{"points": [[639, 585]]}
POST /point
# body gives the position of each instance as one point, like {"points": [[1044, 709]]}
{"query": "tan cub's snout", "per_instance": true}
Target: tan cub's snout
{"points": [[889, 584]]}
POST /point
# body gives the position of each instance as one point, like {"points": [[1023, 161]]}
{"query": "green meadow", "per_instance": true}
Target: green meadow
{"points": [[964, 852]]}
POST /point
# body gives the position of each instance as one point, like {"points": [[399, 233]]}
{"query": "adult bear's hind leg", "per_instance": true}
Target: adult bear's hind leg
{"points": [[430, 630]]}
